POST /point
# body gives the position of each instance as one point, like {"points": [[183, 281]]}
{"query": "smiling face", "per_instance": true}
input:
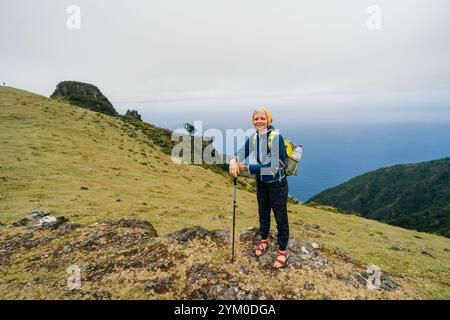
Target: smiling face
{"points": [[260, 121]]}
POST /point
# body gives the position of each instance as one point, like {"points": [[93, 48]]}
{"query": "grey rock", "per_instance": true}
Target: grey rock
{"points": [[386, 283], [43, 220], [397, 247], [37, 215], [221, 235], [101, 295], [47, 219], [226, 291], [198, 271], [308, 286], [60, 221], [160, 285], [244, 270], [315, 245], [304, 254], [252, 235], [266, 260], [33, 217], [198, 232], [301, 254]]}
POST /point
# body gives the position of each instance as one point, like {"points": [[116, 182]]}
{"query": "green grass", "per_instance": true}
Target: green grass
{"points": [[50, 149]]}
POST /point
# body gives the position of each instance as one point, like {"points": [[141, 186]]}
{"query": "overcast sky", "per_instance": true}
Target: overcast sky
{"points": [[201, 56]]}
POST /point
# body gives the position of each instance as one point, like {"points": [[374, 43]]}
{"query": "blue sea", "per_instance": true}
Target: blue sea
{"points": [[333, 151], [333, 155]]}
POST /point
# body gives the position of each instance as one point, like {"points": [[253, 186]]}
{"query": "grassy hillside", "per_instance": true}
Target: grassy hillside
{"points": [[414, 196], [52, 151], [90, 167]]}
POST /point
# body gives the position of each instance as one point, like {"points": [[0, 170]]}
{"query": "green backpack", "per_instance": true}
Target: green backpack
{"points": [[294, 153]]}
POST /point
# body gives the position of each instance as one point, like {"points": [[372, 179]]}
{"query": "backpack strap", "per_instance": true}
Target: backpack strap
{"points": [[272, 135]]}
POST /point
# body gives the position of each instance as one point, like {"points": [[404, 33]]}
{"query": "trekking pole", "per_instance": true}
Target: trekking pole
{"points": [[234, 219]]}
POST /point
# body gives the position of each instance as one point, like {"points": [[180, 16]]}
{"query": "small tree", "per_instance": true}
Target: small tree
{"points": [[190, 128]]}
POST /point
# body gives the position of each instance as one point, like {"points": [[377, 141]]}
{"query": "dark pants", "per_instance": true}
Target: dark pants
{"points": [[273, 196]]}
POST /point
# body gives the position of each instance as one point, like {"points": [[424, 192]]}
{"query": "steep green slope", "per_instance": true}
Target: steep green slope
{"points": [[413, 196], [90, 167]]}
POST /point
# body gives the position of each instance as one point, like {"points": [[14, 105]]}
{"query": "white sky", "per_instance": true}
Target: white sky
{"points": [[165, 56]]}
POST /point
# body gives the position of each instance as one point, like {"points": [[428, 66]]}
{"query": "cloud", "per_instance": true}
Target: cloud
{"points": [[249, 50]]}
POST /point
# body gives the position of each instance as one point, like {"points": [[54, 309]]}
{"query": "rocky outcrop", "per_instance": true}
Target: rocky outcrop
{"points": [[225, 291], [161, 285], [301, 254], [43, 220], [35, 216], [192, 263], [84, 95], [133, 114], [383, 282], [211, 285], [198, 232]]}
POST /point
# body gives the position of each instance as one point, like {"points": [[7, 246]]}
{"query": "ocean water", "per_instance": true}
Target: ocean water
{"points": [[335, 154]]}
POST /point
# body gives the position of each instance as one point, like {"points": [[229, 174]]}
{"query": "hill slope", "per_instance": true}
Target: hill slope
{"points": [[92, 168], [413, 196]]}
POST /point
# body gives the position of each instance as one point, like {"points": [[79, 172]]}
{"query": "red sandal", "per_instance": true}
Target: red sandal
{"points": [[281, 263], [262, 247]]}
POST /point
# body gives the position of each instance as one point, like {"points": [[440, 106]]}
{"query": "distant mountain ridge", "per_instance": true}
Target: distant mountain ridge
{"points": [[414, 196]]}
